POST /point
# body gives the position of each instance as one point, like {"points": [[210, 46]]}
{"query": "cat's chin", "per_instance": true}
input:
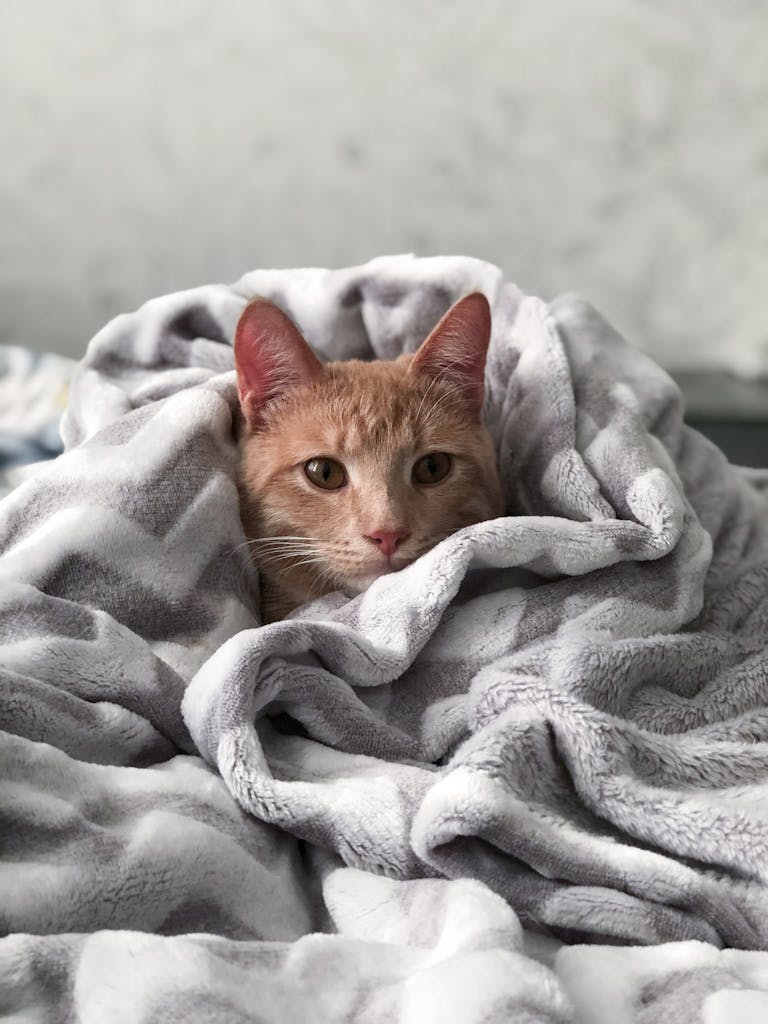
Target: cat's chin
{"points": [[357, 584]]}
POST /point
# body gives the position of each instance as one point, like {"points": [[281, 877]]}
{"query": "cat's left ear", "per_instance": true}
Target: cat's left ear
{"points": [[271, 356], [456, 349]]}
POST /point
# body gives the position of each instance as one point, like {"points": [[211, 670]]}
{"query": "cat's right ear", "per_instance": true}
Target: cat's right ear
{"points": [[271, 356], [456, 349]]}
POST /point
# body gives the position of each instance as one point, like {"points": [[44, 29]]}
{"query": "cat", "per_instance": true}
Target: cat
{"points": [[351, 469]]}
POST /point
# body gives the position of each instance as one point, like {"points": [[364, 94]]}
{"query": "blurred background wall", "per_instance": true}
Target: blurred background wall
{"points": [[617, 148]]}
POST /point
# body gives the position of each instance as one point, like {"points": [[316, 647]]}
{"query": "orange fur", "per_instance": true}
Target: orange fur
{"points": [[377, 419]]}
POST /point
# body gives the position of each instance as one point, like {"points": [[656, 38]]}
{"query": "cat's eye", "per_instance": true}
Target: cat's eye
{"points": [[326, 473], [431, 469]]}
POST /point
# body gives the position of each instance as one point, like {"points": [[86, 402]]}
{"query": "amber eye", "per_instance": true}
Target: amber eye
{"points": [[325, 473], [432, 468]]}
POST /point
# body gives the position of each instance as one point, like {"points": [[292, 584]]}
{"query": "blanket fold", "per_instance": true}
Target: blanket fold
{"points": [[564, 707]]}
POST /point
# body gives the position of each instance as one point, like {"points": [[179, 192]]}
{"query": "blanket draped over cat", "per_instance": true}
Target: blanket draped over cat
{"points": [[555, 720]]}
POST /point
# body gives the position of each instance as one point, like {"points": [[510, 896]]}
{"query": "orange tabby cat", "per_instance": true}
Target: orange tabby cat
{"points": [[353, 469]]}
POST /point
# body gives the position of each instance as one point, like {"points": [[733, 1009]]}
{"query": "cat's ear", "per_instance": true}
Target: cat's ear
{"points": [[271, 356], [457, 347]]}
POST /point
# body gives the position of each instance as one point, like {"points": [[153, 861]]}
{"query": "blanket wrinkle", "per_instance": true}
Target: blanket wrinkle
{"points": [[554, 720]]}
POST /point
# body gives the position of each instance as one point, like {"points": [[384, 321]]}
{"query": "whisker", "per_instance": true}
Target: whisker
{"points": [[295, 543], [289, 559], [281, 536], [281, 553], [279, 542], [325, 576], [308, 561]]}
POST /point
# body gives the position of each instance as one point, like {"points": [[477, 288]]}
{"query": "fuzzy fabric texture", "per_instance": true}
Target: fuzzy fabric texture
{"points": [[33, 394], [564, 708]]}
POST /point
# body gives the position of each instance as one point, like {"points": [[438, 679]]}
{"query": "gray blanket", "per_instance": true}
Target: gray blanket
{"points": [[561, 712]]}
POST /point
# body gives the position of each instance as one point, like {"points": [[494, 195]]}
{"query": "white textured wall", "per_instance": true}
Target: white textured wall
{"points": [[618, 148]]}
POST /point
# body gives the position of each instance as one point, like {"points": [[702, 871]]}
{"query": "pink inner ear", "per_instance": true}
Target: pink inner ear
{"points": [[457, 348], [271, 356]]}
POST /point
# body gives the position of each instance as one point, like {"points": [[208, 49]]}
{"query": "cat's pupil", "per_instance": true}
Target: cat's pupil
{"points": [[325, 473], [432, 468]]}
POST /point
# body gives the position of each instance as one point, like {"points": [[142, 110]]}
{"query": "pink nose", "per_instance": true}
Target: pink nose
{"points": [[387, 540]]}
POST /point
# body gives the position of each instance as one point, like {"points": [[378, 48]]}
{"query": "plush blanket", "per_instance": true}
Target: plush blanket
{"points": [[555, 719], [33, 394]]}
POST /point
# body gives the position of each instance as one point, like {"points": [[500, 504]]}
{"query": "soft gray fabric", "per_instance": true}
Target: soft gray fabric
{"points": [[676, 983], [565, 706]]}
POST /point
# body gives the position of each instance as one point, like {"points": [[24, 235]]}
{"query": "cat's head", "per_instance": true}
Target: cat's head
{"points": [[352, 469]]}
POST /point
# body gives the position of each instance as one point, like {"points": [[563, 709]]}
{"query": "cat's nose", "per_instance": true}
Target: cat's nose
{"points": [[387, 540]]}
